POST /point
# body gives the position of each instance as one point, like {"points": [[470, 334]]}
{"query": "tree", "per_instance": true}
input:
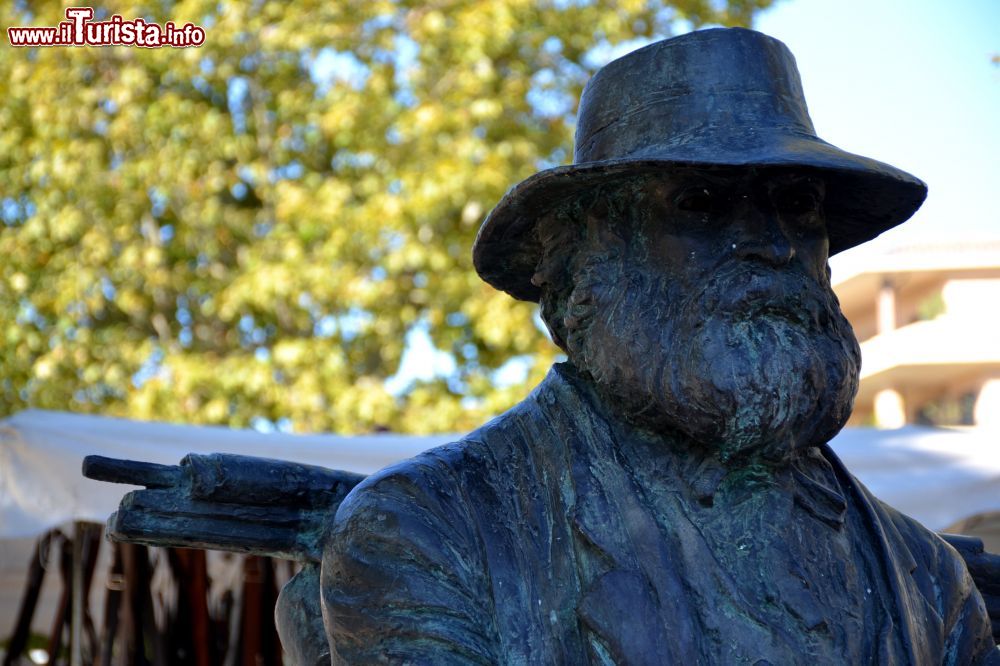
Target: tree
{"points": [[250, 229]]}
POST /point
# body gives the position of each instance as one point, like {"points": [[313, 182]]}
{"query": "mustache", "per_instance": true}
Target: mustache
{"points": [[745, 292]]}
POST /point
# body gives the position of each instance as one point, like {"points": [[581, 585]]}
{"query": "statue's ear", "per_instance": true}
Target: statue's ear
{"points": [[555, 325]]}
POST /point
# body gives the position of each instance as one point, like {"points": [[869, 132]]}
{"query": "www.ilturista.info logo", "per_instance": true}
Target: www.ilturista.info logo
{"points": [[79, 30]]}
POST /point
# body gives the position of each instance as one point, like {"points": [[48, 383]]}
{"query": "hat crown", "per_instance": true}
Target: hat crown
{"points": [[712, 90]]}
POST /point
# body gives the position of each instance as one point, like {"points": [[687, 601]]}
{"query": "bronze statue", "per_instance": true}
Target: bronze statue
{"points": [[666, 495]]}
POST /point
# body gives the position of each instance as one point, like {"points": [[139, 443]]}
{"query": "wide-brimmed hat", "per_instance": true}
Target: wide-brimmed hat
{"points": [[720, 97]]}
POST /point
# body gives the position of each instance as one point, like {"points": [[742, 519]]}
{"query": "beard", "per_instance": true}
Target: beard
{"points": [[754, 363]]}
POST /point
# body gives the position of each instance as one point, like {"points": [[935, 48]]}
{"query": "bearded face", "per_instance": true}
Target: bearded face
{"points": [[748, 357]]}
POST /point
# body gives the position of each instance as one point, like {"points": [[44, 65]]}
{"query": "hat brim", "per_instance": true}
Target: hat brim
{"points": [[864, 198]]}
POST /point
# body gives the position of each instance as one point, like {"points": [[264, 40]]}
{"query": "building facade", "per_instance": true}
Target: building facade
{"points": [[928, 319]]}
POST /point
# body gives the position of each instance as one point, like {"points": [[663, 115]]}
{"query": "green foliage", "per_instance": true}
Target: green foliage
{"points": [[220, 234], [931, 307]]}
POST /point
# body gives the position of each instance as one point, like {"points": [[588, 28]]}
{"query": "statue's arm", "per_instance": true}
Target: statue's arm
{"points": [[947, 572], [969, 636], [223, 501], [403, 576]]}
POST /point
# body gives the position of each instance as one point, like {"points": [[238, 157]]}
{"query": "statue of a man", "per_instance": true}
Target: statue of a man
{"points": [[666, 495]]}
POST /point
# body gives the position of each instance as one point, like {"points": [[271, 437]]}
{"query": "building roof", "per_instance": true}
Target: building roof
{"points": [[859, 277]]}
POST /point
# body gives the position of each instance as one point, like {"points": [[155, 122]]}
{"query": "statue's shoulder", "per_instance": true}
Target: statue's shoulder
{"points": [[469, 467], [446, 474], [929, 549], [425, 480], [403, 566], [921, 551], [915, 545]]}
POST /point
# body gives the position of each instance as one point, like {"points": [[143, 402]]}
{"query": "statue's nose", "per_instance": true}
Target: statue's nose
{"points": [[762, 236]]}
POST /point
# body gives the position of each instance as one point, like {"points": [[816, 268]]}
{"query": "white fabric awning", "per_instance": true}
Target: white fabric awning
{"points": [[938, 476], [42, 452]]}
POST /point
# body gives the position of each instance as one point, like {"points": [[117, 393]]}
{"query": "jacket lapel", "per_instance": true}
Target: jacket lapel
{"points": [[633, 596], [921, 628]]}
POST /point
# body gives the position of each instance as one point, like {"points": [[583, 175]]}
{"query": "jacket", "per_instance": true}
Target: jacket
{"points": [[528, 542]]}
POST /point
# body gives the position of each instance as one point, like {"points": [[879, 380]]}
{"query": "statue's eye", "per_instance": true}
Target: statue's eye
{"points": [[797, 201], [700, 200]]}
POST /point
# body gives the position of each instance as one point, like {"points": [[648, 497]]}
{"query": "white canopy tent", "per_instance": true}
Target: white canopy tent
{"points": [[41, 454], [41, 485]]}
